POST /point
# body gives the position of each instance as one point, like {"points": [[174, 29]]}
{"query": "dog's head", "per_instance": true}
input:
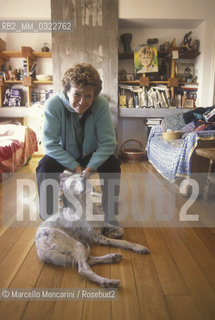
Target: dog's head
{"points": [[73, 183]]}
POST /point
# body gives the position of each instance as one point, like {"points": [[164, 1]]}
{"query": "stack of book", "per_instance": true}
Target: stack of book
{"points": [[136, 97], [151, 122]]}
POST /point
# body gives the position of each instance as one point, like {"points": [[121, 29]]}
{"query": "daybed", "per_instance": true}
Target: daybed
{"points": [[17, 144], [175, 159]]}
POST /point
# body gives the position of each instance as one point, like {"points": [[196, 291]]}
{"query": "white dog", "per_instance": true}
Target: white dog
{"points": [[64, 238]]}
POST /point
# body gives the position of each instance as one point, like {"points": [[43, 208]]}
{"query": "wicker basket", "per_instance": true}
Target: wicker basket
{"points": [[172, 135], [131, 154]]}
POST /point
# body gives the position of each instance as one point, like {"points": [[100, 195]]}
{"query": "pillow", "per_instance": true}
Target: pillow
{"points": [[173, 122]]}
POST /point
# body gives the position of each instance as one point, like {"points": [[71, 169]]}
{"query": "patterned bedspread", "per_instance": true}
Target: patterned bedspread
{"points": [[17, 144], [172, 158]]}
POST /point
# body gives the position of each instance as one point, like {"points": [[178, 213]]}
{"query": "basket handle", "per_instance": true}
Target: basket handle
{"points": [[124, 143]]}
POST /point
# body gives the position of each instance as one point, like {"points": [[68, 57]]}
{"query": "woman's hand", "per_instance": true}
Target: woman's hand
{"points": [[78, 170], [87, 171]]}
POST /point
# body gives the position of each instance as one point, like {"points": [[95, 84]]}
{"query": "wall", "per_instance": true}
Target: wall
{"points": [[172, 12], [93, 40], [25, 9], [166, 10], [176, 11], [136, 128], [165, 20], [140, 36]]}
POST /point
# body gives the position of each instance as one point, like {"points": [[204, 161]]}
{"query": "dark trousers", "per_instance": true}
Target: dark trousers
{"points": [[49, 169]]}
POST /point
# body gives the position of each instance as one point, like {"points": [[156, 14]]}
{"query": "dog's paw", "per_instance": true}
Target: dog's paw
{"points": [[138, 248], [116, 258], [110, 284]]}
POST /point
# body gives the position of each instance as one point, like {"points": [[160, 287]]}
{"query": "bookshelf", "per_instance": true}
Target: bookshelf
{"points": [[27, 81], [173, 88]]}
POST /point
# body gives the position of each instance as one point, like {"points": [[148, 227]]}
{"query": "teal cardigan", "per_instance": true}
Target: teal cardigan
{"points": [[65, 140]]}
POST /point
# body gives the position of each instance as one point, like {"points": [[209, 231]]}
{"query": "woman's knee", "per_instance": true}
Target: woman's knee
{"points": [[112, 164], [48, 164]]}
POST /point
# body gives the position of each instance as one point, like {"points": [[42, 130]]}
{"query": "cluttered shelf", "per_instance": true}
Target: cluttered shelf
{"points": [[159, 79], [161, 54], [43, 82], [13, 81], [34, 82], [138, 82], [26, 77], [20, 54]]}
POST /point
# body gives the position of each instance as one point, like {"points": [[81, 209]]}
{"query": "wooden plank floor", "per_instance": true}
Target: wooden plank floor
{"points": [[176, 281]]}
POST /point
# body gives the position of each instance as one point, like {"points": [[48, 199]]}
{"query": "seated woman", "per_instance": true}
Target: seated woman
{"points": [[79, 136]]}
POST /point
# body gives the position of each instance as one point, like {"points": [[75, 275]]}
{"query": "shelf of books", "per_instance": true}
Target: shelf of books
{"points": [[161, 83], [155, 100]]}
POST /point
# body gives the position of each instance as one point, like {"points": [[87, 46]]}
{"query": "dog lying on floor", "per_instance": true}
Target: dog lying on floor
{"points": [[65, 237]]}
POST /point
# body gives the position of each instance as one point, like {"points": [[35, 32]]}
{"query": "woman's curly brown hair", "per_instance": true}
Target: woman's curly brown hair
{"points": [[82, 75]]}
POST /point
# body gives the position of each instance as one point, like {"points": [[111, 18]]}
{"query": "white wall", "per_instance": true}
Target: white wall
{"points": [[184, 9], [25, 9], [130, 9], [166, 9]]}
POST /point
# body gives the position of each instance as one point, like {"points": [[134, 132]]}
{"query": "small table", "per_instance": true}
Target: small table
{"points": [[208, 153]]}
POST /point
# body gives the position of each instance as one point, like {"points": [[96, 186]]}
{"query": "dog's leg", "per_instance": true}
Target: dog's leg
{"points": [[54, 246], [108, 258], [121, 244], [111, 231], [86, 271], [57, 247], [81, 257]]}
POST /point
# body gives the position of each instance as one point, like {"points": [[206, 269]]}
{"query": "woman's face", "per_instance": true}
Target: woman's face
{"points": [[81, 98], [146, 57]]}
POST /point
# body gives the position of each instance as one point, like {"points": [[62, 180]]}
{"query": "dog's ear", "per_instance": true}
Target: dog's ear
{"points": [[64, 176], [68, 173]]}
